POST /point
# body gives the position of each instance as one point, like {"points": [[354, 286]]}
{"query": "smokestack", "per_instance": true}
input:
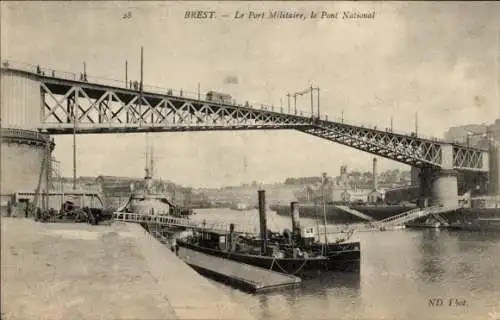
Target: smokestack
{"points": [[294, 208], [230, 238], [375, 174], [263, 222]]}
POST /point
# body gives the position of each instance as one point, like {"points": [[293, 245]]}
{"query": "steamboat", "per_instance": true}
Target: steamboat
{"points": [[294, 252]]}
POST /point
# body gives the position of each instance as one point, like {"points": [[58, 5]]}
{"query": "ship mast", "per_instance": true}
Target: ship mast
{"points": [[151, 168], [323, 181], [148, 171]]}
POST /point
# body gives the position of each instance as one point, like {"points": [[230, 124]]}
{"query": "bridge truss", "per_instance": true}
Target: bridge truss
{"points": [[85, 107]]}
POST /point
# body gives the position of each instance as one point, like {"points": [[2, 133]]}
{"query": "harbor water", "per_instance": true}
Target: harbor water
{"points": [[405, 274]]}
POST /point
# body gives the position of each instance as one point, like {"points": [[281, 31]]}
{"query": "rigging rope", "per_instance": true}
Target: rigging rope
{"points": [[284, 271]]}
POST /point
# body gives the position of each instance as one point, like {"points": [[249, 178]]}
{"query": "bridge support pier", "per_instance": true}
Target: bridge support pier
{"points": [[440, 187], [445, 188], [414, 176]]}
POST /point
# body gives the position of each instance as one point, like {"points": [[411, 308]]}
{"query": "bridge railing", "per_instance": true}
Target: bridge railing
{"points": [[384, 128], [214, 225], [134, 85]]}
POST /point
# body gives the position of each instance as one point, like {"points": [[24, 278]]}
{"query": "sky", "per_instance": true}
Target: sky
{"points": [[438, 59]]}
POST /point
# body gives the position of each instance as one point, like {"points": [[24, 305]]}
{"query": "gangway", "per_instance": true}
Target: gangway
{"points": [[413, 214], [169, 221], [355, 213]]}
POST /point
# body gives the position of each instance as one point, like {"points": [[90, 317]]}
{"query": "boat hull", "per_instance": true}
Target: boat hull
{"points": [[337, 215], [473, 219], [335, 260]]}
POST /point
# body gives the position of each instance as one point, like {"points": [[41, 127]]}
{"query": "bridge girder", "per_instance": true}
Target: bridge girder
{"points": [[121, 110], [101, 108]]}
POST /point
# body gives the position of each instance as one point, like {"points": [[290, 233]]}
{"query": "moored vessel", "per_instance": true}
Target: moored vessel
{"points": [[147, 201], [294, 252], [335, 214]]}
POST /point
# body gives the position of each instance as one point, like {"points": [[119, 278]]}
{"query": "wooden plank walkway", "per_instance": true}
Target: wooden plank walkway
{"points": [[240, 275]]}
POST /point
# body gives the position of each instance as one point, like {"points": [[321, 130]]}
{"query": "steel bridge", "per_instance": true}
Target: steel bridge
{"points": [[87, 106]]}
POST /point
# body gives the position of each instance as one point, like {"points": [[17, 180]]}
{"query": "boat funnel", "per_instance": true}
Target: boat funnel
{"points": [[294, 210], [263, 222], [230, 239]]}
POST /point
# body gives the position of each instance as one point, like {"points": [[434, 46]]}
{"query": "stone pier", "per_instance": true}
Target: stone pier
{"points": [[79, 271]]}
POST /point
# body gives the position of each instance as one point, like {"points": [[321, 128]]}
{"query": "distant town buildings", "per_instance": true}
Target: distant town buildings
{"points": [[475, 134], [116, 190]]}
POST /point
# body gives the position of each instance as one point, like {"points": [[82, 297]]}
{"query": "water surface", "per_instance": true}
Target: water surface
{"points": [[401, 271]]}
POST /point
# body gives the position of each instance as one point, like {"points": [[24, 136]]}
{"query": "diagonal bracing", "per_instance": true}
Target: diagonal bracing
{"points": [[107, 109]]}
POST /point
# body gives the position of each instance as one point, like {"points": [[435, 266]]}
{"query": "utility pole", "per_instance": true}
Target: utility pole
{"points": [[142, 70], [199, 94], [295, 102], [126, 74], [312, 103], [84, 71], [391, 125], [342, 117], [319, 116], [141, 87], [47, 173], [74, 144], [288, 96], [416, 124]]}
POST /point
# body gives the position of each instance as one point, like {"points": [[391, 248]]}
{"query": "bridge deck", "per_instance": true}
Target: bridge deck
{"points": [[113, 107]]}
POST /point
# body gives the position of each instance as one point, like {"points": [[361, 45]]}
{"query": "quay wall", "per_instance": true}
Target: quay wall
{"points": [[79, 271]]}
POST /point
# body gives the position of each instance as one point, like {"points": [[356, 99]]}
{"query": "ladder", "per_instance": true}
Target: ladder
{"points": [[413, 214], [402, 218]]}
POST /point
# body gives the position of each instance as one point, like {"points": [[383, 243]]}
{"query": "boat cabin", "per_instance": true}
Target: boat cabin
{"points": [[212, 239], [307, 236]]}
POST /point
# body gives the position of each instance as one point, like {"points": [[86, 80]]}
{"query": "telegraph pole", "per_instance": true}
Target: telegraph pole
{"points": [[312, 103], [140, 88], [416, 123], [126, 74], [47, 174], [74, 144], [295, 102], [142, 69], [318, 104], [288, 96]]}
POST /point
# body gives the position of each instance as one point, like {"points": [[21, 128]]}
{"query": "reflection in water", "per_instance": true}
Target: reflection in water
{"points": [[400, 272], [431, 253], [331, 283], [332, 293]]}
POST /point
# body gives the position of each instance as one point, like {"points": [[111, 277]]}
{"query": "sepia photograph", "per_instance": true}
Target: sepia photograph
{"points": [[250, 160]]}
